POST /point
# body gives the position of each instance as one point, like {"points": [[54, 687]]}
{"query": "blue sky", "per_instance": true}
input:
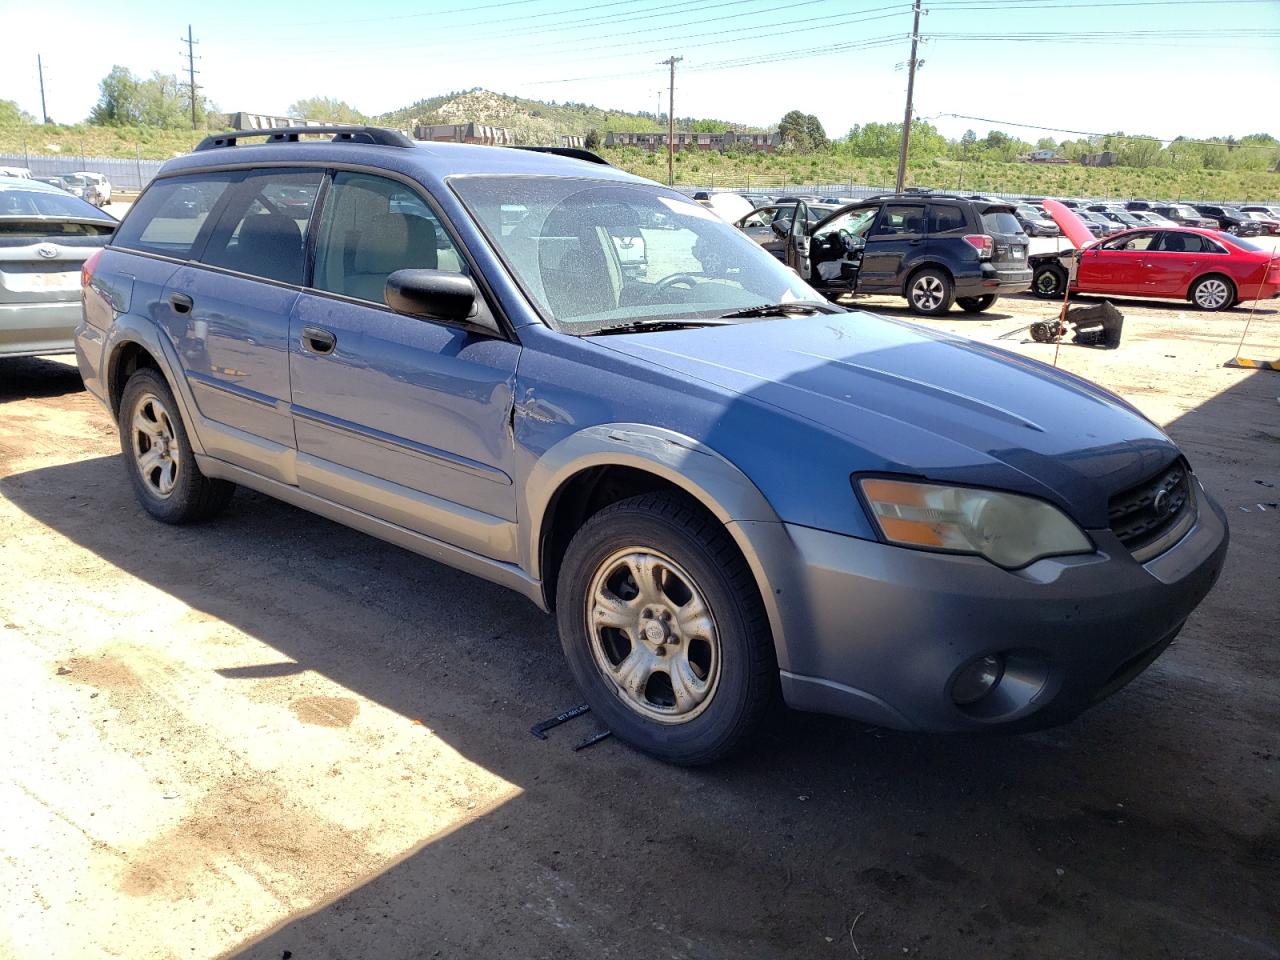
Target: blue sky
{"points": [[1198, 68]]}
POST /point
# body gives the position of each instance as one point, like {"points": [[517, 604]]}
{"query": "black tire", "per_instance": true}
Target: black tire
{"points": [[930, 292], [1213, 292], [1049, 282], [191, 496], [977, 304], [744, 680]]}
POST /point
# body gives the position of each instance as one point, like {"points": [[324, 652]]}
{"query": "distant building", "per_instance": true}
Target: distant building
{"points": [[263, 121], [1105, 159], [463, 133], [687, 140], [1042, 156]]}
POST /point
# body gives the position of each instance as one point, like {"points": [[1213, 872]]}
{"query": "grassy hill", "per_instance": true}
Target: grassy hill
{"points": [[763, 172], [534, 121]]}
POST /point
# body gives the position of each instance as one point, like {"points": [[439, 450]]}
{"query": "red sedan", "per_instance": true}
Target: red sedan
{"points": [[1212, 269]]}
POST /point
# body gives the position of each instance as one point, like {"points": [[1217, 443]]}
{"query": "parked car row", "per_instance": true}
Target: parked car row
{"points": [[92, 187]]}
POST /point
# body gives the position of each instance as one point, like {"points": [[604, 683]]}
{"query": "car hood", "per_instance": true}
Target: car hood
{"points": [[913, 400]]}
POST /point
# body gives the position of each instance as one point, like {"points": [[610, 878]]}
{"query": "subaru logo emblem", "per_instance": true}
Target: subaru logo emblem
{"points": [[47, 250], [1160, 505]]}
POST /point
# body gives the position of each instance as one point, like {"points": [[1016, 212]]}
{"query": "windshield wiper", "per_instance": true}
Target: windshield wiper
{"points": [[636, 326], [801, 307]]}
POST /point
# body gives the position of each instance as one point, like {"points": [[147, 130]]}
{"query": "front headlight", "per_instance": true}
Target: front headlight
{"points": [[1008, 529]]}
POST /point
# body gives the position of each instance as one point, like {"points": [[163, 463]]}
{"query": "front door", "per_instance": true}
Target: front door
{"points": [[398, 417], [896, 236], [1117, 266]]}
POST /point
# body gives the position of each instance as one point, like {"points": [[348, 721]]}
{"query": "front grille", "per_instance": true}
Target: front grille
{"points": [[1143, 514]]}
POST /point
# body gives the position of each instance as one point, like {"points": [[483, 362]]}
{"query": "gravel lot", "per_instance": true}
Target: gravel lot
{"points": [[272, 736]]}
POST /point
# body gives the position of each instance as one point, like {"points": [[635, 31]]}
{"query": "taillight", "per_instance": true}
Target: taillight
{"points": [[87, 268], [982, 243]]}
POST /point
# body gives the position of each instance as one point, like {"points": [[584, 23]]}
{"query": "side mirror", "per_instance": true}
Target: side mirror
{"points": [[438, 295], [781, 227]]}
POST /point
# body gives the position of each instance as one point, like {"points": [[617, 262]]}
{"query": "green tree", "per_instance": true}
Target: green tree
{"points": [[592, 140], [814, 133], [118, 100], [161, 100], [329, 109], [794, 130], [11, 114]]}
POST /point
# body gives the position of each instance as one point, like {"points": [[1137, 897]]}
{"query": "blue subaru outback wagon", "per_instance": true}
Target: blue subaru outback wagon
{"points": [[584, 386]]}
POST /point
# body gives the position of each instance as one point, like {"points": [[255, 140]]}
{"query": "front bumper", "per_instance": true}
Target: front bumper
{"points": [[892, 627]]}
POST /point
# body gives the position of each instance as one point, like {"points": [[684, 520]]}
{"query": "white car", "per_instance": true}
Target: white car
{"points": [[21, 173], [101, 182]]}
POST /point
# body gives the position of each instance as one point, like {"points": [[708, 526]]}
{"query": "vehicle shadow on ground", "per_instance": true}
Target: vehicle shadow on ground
{"points": [[899, 308], [1111, 836], [25, 377], [1260, 307]]}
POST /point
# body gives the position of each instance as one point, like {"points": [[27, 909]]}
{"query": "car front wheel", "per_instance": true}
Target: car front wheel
{"points": [[930, 292], [1049, 281], [158, 455], [664, 629], [1213, 293]]}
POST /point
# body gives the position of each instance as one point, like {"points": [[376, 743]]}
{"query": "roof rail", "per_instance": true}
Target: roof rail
{"points": [[342, 133], [575, 153]]}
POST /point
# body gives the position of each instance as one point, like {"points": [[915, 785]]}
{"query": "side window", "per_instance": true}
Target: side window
{"points": [[945, 219], [370, 228], [900, 220], [1186, 243], [1134, 241], [170, 215], [263, 226]]}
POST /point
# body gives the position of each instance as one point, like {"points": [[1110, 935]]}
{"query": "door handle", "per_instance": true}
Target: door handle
{"points": [[181, 303], [317, 340]]}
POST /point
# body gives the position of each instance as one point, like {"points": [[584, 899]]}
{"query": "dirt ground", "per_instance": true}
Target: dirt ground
{"points": [[273, 737]]}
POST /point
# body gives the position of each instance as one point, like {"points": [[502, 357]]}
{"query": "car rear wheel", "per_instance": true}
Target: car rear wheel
{"points": [[930, 292], [976, 304], [1049, 281], [664, 629], [1214, 292], [158, 455]]}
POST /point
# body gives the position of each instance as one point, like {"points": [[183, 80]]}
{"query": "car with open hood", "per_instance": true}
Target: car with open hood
{"points": [[726, 488]]}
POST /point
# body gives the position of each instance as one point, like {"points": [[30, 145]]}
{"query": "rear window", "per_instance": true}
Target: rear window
{"points": [[171, 214], [39, 203], [1000, 221]]}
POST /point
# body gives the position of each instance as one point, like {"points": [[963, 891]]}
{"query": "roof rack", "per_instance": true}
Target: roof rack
{"points": [[341, 134], [575, 153]]}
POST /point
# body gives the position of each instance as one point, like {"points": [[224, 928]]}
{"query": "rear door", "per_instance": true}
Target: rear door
{"points": [[898, 236], [228, 315], [1174, 259]]}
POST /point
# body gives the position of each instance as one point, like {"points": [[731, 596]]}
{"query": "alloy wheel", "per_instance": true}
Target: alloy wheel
{"points": [[927, 292], [155, 446], [1211, 294], [1047, 283], [653, 635]]}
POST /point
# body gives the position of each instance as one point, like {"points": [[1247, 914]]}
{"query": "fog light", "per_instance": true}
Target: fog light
{"points": [[978, 679]]}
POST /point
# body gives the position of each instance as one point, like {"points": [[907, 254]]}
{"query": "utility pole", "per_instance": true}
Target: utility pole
{"points": [[44, 111], [671, 120], [191, 71], [911, 85]]}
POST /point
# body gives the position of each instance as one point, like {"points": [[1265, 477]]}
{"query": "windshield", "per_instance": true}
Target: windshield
{"points": [[563, 240], [1186, 212], [1031, 213], [27, 203]]}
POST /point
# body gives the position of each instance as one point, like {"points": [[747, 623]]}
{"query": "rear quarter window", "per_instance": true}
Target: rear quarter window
{"points": [[171, 215], [1000, 221], [945, 219]]}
